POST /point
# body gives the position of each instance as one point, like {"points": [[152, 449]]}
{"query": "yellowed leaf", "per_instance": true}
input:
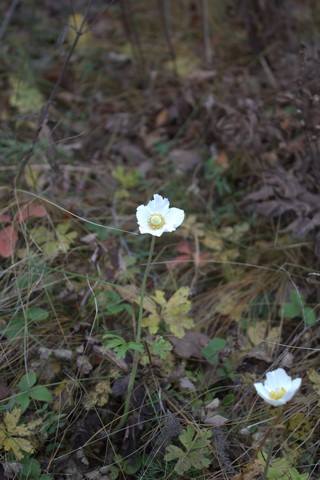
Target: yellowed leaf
{"points": [[174, 312], [192, 228], [99, 396], [131, 294], [152, 322], [18, 446], [257, 332], [25, 97], [77, 22], [12, 435], [232, 307], [213, 242]]}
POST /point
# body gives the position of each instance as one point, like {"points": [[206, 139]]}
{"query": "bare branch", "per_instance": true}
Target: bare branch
{"points": [[44, 114], [7, 18]]}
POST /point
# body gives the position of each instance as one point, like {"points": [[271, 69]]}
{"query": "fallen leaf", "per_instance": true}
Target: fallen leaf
{"points": [[184, 160], [5, 218], [8, 240], [215, 420], [186, 384], [257, 332], [162, 118], [84, 365], [31, 210], [99, 396], [190, 345]]}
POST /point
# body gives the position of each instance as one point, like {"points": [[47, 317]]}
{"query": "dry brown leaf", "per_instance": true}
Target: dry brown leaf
{"points": [[8, 240]]}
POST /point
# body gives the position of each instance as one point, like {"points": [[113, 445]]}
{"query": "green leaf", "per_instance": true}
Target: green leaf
{"points": [[290, 310], [41, 393], [309, 316], [211, 351], [23, 400], [293, 308], [36, 314], [15, 328], [160, 347], [281, 469], [195, 454], [296, 298], [130, 467], [137, 347], [27, 381], [31, 468]]}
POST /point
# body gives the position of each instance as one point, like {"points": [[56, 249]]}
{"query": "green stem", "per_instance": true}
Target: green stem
{"points": [[136, 355], [272, 439]]}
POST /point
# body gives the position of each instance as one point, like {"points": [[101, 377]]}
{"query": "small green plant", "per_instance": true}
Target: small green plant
{"points": [[31, 470], [18, 323], [160, 348], [127, 178], [296, 308], [214, 173], [194, 453], [120, 346], [30, 391], [111, 303], [282, 469], [51, 243]]}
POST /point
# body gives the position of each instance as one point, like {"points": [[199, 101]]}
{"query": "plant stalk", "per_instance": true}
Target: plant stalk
{"points": [[272, 441], [136, 355]]}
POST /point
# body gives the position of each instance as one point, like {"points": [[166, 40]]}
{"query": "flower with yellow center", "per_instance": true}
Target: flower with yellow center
{"points": [[156, 217], [278, 388]]}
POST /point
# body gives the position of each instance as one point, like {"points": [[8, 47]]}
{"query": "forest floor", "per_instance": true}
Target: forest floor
{"points": [[101, 108]]}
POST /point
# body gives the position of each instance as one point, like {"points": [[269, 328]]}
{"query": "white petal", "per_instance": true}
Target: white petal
{"points": [[159, 204], [174, 218], [143, 215], [295, 385], [261, 391], [277, 379]]}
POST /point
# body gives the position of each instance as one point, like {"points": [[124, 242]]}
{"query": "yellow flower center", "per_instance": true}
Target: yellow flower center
{"points": [[156, 221], [277, 394]]}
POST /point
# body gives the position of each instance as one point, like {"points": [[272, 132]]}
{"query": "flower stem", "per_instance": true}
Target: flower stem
{"points": [[271, 445], [136, 355]]}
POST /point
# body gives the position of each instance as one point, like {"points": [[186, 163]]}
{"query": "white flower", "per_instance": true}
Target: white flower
{"points": [[278, 387], [156, 217]]}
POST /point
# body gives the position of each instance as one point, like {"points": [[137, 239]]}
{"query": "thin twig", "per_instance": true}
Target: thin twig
{"points": [[164, 9], [7, 18], [206, 33], [44, 114], [132, 34]]}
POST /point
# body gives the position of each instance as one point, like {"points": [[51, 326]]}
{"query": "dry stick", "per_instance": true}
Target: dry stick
{"points": [[164, 9], [43, 117], [136, 356], [206, 33], [7, 18]]}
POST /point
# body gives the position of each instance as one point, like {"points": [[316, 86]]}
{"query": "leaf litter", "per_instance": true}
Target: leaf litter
{"points": [[235, 145]]}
